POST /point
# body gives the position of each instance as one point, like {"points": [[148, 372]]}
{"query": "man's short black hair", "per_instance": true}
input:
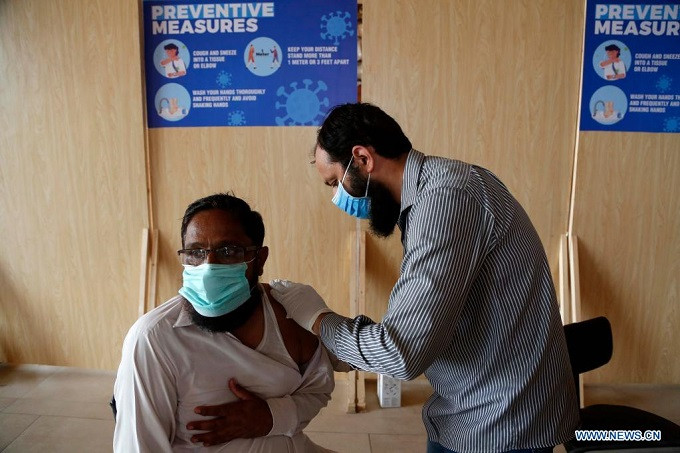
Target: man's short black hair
{"points": [[250, 220], [171, 46], [363, 124], [614, 47]]}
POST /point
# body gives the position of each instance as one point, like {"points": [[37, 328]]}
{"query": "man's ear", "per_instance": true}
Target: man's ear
{"points": [[364, 157], [260, 259]]}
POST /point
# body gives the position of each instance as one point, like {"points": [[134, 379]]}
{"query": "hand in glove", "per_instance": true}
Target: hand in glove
{"points": [[302, 303]]}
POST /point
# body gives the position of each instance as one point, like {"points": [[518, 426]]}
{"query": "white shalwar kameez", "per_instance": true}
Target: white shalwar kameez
{"points": [[169, 366]]}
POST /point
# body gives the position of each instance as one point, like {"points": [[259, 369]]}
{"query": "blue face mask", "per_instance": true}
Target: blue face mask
{"points": [[215, 289], [359, 207]]}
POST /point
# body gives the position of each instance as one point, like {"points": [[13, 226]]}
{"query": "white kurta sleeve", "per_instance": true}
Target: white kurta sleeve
{"points": [[291, 413], [146, 396]]}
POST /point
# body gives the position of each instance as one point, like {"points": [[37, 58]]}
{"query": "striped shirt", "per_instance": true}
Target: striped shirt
{"points": [[475, 310]]}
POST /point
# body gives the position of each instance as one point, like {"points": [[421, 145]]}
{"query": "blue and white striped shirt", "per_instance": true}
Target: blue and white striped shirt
{"points": [[475, 310]]}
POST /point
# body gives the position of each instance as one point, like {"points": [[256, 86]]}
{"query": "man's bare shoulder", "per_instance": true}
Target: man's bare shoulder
{"points": [[300, 343]]}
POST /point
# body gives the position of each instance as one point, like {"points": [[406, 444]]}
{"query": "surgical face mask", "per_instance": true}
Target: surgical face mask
{"points": [[215, 289], [359, 207]]}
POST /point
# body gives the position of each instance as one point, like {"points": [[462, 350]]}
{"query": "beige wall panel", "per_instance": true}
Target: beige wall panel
{"points": [[627, 219], [72, 180], [269, 167], [488, 82]]}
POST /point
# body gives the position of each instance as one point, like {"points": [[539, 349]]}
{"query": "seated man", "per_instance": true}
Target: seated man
{"points": [[223, 329]]}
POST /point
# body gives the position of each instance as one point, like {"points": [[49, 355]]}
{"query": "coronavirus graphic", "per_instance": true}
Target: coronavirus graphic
{"points": [[237, 118], [664, 83], [336, 26], [671, 124], [303, 105], [223, 79]]}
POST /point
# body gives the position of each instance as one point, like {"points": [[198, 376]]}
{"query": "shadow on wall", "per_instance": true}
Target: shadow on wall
{"points": [[383, 258], [600, 298], [169, 269], [17, 325]]}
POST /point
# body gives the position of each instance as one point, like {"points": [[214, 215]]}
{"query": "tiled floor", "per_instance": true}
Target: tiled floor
{"points": [[392, 430], [54, 409], [59, 409]]}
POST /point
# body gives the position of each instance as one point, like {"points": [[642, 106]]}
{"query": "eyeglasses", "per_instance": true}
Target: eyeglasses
{"points": [[229, 254]]}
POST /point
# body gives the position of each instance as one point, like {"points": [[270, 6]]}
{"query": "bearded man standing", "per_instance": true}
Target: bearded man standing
{"points": [[474, 307]]}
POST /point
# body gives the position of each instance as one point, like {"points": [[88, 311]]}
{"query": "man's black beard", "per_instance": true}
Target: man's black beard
{"points": [[384, 209], [230, 321]]}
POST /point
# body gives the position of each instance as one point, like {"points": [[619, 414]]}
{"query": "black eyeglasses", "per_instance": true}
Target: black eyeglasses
{"points": [[229, 254]]}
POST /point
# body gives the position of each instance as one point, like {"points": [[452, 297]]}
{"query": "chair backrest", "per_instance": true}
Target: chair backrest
{"points": [[589, 344], [112, 404]]}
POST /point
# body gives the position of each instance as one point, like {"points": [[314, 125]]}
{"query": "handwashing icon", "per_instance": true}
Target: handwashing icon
{"points": [[170, 109], [608, 105], [172, 102], [607, 115]]}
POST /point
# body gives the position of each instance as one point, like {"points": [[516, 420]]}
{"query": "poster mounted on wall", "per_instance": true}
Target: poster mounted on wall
{"points": [[272, 63], [631, 67]]}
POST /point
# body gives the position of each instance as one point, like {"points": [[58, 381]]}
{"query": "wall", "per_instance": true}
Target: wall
{"points": [[72, 180], [488, 82], [482, 67], [269, 168], [494, 83], [627, 220]]}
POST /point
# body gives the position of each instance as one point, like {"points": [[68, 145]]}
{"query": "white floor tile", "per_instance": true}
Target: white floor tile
{"points": [[64, 435], [75, 385], [398, 443], [17, 381], [76, 409], [12, 425], [4, 402], [342, 442]]}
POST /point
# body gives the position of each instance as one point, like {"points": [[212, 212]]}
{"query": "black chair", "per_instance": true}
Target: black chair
{"points": [[590, 346]]}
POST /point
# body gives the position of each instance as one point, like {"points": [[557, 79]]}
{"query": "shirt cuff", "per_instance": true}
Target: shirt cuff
{"points": [[327, 328], [284, 416]]}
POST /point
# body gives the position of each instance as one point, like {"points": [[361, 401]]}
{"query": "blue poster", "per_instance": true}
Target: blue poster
{"points": [[631, 67], [276, 63]]}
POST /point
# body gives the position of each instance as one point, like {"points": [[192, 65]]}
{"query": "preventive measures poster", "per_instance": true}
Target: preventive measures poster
{"points": [[631, 68], [276, 63]]}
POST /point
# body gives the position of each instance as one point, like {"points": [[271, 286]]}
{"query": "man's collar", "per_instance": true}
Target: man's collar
{"points": [[409, 186], [184, 318]]}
